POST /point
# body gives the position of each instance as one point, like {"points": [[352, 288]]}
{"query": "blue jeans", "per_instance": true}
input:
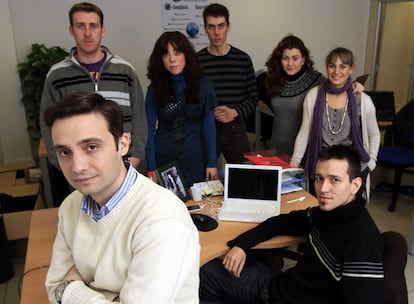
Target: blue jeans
{"points": [[219, 286]]}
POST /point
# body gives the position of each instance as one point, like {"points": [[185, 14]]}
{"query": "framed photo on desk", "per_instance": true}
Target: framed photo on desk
{"points": [[169, 176]]}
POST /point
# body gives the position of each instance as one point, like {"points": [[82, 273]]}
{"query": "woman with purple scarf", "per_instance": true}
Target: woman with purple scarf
{"points": [[333, 115]]}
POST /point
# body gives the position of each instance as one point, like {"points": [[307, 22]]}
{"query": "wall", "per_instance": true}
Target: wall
{"points": [[134, 25], [395, 61], [397, 50], [395, 57], [14, 140], [371, 41]]}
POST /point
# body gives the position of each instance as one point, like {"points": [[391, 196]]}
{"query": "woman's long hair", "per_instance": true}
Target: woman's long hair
{"points": [[160, 77], [276, 76]]}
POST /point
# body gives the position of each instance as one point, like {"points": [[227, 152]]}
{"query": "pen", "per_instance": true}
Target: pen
{"points": [[299, 199]]}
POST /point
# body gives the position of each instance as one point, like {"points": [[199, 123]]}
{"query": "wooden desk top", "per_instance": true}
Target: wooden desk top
{"points": [[42, 233], [214, 243], [42, 152], [385, 123], [43, 230]]}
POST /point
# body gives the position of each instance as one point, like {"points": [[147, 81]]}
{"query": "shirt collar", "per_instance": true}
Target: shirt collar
{"points": [[90, 207]]}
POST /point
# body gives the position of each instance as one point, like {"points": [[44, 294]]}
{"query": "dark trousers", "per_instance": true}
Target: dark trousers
{"points": [[219, 286], [232, 141]]}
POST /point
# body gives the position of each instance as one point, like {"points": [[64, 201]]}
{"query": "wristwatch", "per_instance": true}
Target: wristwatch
{"points": [[60, 290]]}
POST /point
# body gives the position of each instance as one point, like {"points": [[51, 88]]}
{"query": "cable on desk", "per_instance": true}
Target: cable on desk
{"points": [[19, 285], [212, 211]]}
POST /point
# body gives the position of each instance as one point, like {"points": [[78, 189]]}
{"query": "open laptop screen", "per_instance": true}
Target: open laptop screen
{"points": [[252, 182], [251, 193]]}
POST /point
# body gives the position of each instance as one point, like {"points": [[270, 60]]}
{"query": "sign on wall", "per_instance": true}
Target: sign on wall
{"points": [[186, 16]]}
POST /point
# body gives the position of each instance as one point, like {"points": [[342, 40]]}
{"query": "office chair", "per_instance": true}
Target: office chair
{"points": [[385, 111], [400, 156], [394, 261], [384, 104]]}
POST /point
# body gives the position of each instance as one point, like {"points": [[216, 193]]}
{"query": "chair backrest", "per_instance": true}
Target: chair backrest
{"points": [[384, 104], [261, 87], [404, 125], [394, 261]]}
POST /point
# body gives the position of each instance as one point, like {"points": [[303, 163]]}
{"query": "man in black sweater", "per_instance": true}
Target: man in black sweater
{"points": [[342, 259], [232, 73]]}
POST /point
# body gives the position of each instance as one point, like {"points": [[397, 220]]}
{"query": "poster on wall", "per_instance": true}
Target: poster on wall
{"points": [[186, 16]]}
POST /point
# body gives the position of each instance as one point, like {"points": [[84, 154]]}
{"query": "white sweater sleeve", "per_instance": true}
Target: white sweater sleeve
{"points": [[302, 138], [370, 131]]}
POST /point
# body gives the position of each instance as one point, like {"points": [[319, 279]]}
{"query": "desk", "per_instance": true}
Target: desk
{"points": [[42, 233], [213, 244]]}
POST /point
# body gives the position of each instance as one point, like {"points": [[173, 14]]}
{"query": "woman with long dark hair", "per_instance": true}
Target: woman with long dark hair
{"points": [[290, 75], [180, 111]]}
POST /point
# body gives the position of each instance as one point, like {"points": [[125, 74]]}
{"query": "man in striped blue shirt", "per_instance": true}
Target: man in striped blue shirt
{"points": [[232, 73]]}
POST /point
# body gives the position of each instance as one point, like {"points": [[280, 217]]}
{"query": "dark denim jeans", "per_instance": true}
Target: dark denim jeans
{"points": [[232, 141], [219, 286]]}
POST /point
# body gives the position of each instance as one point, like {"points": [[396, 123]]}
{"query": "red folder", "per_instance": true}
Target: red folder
{"points": [[258, 159]]}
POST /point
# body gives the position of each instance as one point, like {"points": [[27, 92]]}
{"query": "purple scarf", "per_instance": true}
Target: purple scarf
{"points": [[315, 140]]}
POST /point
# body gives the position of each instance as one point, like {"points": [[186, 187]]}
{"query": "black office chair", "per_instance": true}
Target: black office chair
{"points": [[384, 104], [394, 261], [385, 110], [400, 156]]}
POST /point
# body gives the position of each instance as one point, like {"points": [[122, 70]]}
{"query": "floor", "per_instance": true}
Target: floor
{"points": [[10, 291], [399, 221]]}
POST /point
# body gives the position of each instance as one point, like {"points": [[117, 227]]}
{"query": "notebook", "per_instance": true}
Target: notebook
{"points": [[251, 193]]}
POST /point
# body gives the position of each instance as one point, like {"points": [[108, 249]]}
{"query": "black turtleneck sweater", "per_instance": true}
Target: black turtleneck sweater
{"points": [[342, 260]]}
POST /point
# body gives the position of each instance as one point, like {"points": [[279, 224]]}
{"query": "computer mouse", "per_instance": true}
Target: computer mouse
{"points": [[199, 218], [204, 222]]}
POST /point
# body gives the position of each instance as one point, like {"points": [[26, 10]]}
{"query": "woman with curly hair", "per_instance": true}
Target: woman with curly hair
{"points": [[290, 75], [180, 111]]}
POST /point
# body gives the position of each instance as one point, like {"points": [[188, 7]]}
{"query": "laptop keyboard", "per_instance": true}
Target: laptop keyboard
{"points": [[244, 207]]}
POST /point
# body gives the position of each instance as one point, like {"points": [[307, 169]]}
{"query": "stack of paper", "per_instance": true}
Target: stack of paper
{"points": [[211, 188], [291, 183]]}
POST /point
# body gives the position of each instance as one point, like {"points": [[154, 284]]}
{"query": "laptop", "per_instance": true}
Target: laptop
{"points": [[252, 193]]}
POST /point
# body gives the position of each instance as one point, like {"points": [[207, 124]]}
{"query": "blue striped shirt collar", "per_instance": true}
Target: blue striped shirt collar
{"points": [[90, 207]]}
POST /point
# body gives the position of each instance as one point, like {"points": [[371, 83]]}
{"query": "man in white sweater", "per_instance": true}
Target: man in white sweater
{"points": [[121, 237]]}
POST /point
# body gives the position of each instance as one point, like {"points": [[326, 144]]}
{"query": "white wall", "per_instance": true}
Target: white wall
{"points": [[134, 25], [14, 140], [397, 51]]}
